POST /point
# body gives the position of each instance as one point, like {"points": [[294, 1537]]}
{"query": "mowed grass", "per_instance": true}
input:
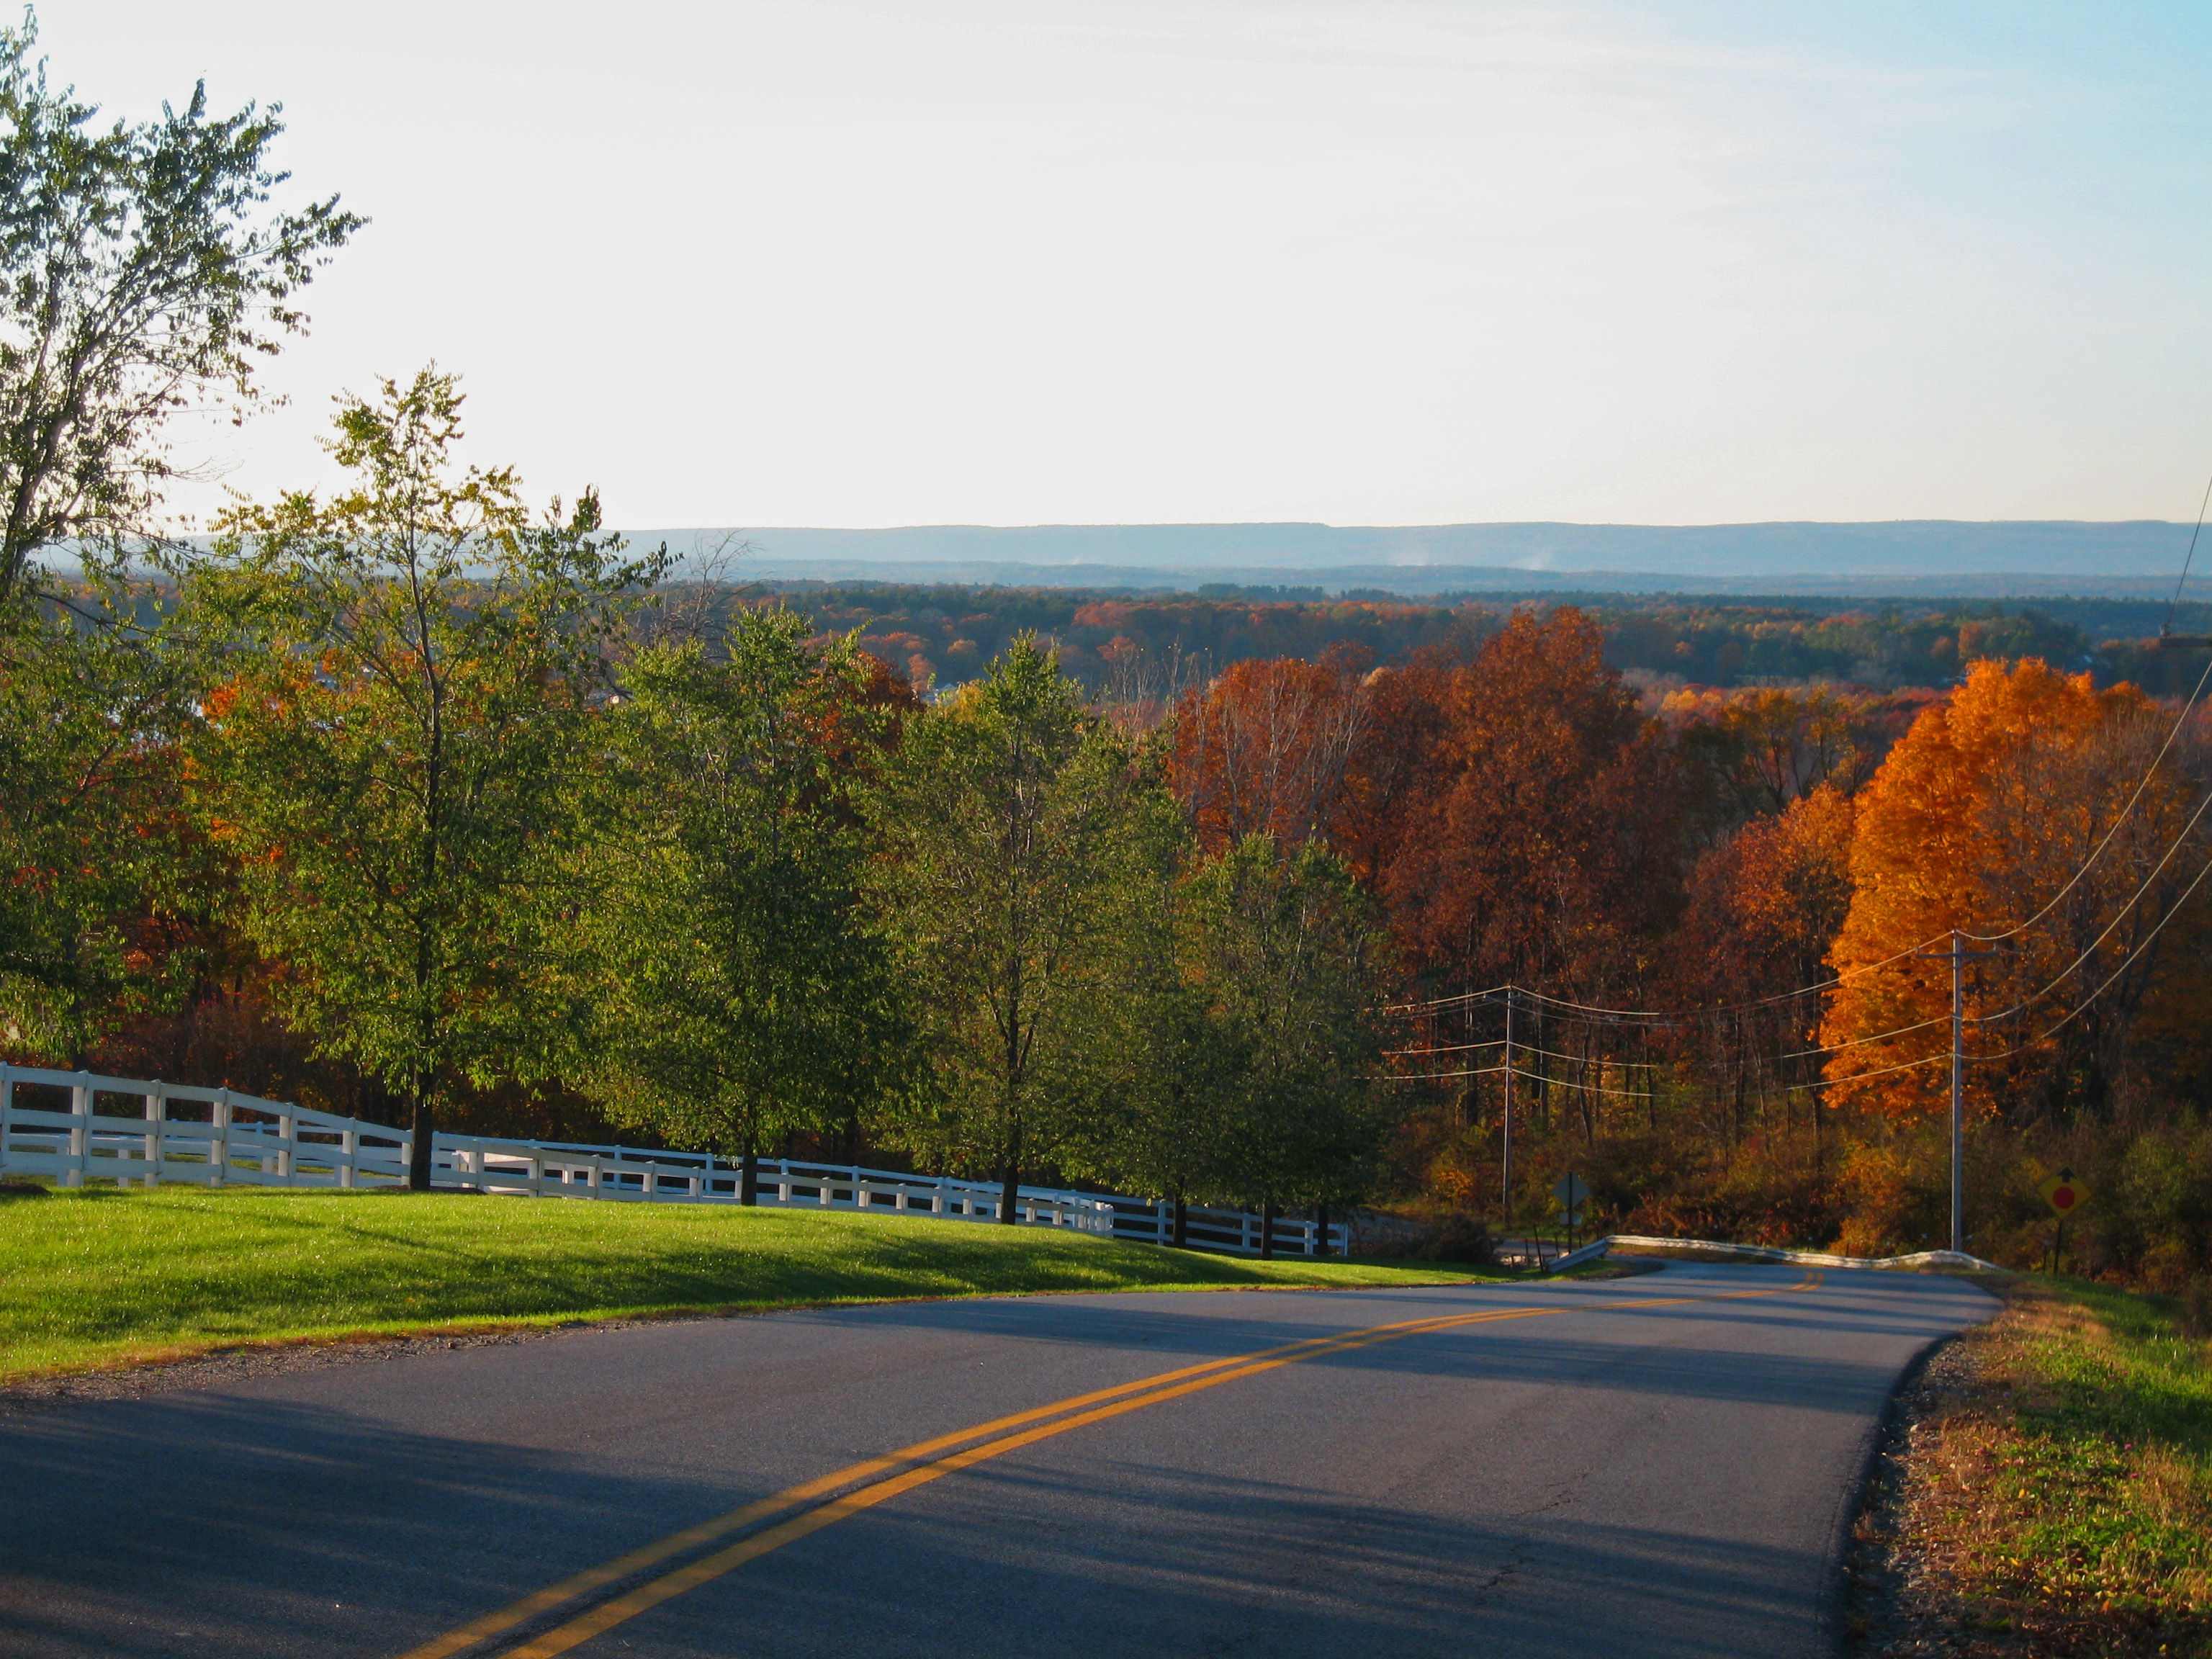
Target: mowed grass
{"points": [[2079, 1482], [103, 1278]]}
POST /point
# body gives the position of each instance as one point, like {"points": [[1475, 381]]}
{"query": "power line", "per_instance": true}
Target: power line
{"points": [[2110, 979], [2119, 916], [1591, 1060], [1645, 1094], [2165, 630], [2097, 851], [2175, 601], [1656, 1015]]}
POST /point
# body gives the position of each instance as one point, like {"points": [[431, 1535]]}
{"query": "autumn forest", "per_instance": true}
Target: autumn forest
{"points": [[418, 804]]}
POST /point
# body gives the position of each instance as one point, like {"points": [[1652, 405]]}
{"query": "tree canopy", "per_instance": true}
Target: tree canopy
{"points": [[414, 668], [142, 275], [742, 994]]}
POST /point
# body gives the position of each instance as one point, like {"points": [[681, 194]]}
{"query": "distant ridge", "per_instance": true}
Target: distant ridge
{"points": [[1916, 556]]}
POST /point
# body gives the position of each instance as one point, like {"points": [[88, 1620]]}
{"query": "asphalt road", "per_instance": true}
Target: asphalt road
{"points": [[1658, 1466]]}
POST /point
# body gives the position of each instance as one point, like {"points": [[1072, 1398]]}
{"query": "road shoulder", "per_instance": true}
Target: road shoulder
{"points": [[2041, 1488]]}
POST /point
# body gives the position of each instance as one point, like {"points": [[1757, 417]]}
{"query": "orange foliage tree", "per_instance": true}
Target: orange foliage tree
{"points": [[1764, 907], [1522, 847], [1979, 820], [1262, 751]]}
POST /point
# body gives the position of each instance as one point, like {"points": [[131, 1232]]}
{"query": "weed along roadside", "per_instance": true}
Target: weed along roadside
{"points": [[104, 1278], [2046, 1485]]}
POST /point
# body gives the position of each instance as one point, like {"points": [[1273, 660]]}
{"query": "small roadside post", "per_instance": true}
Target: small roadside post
{"points": [[2064, 1193], [1571, 1193]]}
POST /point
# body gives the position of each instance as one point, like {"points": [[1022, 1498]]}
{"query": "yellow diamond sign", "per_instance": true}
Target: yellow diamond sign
{"points": [[2065, 1192]]}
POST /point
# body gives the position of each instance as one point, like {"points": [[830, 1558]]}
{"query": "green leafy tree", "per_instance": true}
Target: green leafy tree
{"points": [[98, 869], [742, 994], [1009, 843], [393, 764], [1172, 1070], [1171, 1108], [1285, 952], [140, 275]]}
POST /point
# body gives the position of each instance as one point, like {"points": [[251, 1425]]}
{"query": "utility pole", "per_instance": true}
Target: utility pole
{"points": [[1506, 1185], [1959, 957]]}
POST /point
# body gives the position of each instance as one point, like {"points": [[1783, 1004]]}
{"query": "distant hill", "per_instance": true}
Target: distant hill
{"points": [[1909, 556]]}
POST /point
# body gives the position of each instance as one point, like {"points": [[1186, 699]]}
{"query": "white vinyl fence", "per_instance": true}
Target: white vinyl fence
{"points": [[73, 1127]]}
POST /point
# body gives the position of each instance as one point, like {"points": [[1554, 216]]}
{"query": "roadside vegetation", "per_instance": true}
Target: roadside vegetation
{"points": [[101, 1277], [2057, 1489]]}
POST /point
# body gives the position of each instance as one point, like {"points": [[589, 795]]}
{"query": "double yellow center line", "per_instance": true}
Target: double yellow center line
{"points": [[863, 1485]]}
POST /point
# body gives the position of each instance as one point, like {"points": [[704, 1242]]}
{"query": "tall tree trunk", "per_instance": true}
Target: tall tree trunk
{"points": [[426, 938], [1181, 1226], [422, 1126], [1267, 1213], [1321, 1230], [748, 1173]]}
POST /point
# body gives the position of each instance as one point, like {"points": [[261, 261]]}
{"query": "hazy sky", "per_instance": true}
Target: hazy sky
{"points": [[940, 261]]}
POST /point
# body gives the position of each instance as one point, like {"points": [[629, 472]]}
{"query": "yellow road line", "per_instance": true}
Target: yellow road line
{"points": [[1012, 1432], [792, 1497]]}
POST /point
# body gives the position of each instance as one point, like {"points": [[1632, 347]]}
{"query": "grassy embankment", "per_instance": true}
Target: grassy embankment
{"points": [[104, 1278], [2067, 1497]]}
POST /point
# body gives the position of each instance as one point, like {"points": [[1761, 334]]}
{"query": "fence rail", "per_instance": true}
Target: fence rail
{"points": [[74, 1127]]}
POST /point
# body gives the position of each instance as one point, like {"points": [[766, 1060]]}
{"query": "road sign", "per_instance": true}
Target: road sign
{"points": [[1569, 1191], [2065, 1192]]}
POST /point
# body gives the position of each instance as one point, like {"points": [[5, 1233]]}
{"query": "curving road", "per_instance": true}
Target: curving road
{"points": [[1658, 1466]]}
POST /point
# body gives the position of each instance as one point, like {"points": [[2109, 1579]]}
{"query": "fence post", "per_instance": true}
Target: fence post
{"points": [[157, 1112], [7, 1110], [288, 1141], [80, 1141]]}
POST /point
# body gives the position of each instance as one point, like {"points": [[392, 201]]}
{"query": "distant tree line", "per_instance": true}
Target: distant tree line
{"points": [[1122, 646]]}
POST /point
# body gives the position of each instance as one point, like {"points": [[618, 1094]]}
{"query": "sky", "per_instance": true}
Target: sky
{"points": [[1386, 262]]}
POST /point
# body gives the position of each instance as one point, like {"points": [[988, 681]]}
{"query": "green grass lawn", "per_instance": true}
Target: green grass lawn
{"points": [[102, 1278]]}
